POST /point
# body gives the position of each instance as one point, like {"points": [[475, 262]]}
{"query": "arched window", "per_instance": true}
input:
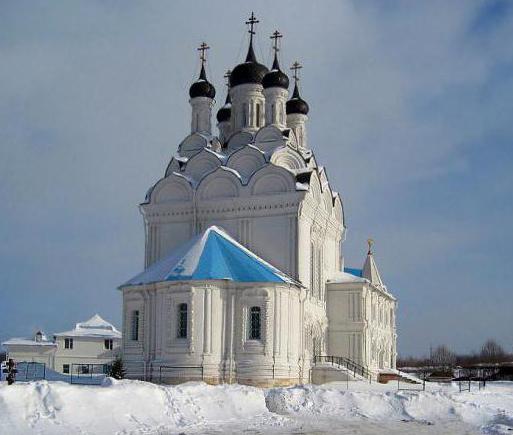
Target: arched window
{"points": [[255, 324], [181, 331]]}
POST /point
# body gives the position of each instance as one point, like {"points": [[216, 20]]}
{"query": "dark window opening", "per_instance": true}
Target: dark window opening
{"points": [[255, 324], [134, 335], [182, 321]]}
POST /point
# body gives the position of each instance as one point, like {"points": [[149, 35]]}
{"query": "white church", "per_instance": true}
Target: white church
{"points": [[244, 276]]}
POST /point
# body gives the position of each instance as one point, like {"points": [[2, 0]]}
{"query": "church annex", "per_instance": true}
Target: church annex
{"points": [[244, 276]]}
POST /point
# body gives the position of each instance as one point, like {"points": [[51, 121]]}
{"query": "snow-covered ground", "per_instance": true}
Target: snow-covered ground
{"points": [[132, 407]]}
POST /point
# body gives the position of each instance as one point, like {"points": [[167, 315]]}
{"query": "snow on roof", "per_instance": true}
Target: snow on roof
{"points": [[180, 158], [94, 327], [345, 277], [220, 156], [28, 342], [187, 178], [233, 171], [211, 255]]}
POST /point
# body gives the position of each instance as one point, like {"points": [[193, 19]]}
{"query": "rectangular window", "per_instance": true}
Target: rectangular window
{"points": [[255, 324], [108, 344], [134, 331], [65, 368], [258, 115], [68, 343], [182, 321]]}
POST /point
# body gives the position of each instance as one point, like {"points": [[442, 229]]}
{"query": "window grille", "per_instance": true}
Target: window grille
{"points": [[182, 321], [255, 324]]}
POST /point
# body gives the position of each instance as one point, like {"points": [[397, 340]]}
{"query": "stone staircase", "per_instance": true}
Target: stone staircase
{"points": [[386, 376], [331, 368]]}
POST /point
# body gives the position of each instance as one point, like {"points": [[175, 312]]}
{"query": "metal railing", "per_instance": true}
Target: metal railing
{"points": [[348, 364], [88, 374], [27, 371]]}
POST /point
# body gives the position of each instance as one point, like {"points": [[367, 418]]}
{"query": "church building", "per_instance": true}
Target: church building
{"points": [[244, 277]]}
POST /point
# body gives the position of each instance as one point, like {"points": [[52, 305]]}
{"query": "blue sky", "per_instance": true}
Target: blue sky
{"points": [[411, 111]]}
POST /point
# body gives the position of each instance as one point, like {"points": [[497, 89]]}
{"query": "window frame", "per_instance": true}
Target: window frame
{"points": [[255, 323], [134, 325], [65, 369], [182, 321], [108, 344], [68, 343]]}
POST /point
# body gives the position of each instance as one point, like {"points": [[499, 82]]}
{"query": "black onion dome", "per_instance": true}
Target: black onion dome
{"points": [[248, 72], [202, 87], [276, 78], [225, 112], [296, 104]]}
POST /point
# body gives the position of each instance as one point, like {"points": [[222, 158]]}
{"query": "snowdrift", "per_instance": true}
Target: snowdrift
{"points": [[140, 407], [61, 408]]}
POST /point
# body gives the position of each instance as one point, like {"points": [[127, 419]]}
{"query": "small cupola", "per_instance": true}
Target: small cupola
{"points": [[296, 104], [225, 112], [276, 78], [202, 94], [250, 71], [202, 87]]}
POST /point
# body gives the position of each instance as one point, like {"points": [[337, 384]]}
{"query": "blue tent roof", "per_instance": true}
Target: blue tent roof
{"points": [[211, 255], [355, 272]]}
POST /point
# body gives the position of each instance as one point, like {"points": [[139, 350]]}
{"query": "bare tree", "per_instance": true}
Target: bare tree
{"points": [[491, 351], [442, 356]]}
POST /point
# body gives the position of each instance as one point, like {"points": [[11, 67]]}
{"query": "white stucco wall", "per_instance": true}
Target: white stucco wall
{"points": [[356, 329], [218, 339]]}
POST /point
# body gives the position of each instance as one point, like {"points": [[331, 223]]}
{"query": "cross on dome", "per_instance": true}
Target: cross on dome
{"points": [[296, 66], [276, 36], [276, 77], [203, 48], [251, 23], [296, 104], [202, 87], [250, 71]]}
